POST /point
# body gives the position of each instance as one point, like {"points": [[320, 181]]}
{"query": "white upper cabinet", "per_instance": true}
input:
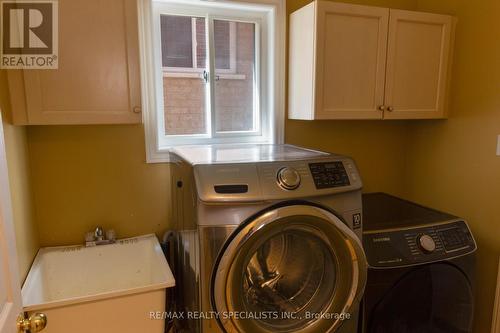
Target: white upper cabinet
{"points": [[98, 79], [359, 62], [417, 65], [350, 68]]}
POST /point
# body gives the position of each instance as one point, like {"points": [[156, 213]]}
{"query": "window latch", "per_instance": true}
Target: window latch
{"points": [[206, 76]]}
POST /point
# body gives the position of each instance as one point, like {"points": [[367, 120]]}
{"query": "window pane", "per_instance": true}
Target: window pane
{"points": [[176, 41], [235, 106], [201, 43], [222, 44], [184, 89]]}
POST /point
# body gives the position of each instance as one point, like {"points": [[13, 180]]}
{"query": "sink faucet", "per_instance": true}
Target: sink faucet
{"points": [[99, 237], [99, 234]]}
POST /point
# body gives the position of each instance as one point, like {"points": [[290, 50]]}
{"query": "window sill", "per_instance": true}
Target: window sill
{"points": [[164, 154], [199, 76]]}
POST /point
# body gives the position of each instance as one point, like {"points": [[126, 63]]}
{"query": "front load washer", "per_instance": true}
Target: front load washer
{"points": [[269, 240], [421, 268]]}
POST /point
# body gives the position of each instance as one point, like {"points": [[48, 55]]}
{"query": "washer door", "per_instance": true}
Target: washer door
{"points": [[292, 269], [435, 298]]}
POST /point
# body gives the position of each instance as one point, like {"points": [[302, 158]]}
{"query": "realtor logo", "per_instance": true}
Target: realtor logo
{"points": [[29, 34]]}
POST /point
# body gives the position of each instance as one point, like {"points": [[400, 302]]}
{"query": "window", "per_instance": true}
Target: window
{"points": [[211, 73], [183, 44]]}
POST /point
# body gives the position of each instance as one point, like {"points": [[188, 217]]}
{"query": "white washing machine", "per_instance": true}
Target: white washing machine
{"points": [[268, 240]]}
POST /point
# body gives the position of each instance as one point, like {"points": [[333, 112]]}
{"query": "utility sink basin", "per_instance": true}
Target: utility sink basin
{"points": [[127, 279]]}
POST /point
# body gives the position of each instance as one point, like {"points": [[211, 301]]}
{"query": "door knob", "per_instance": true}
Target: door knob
{"points": [[390, 109], [381, 107], [33, 324]]}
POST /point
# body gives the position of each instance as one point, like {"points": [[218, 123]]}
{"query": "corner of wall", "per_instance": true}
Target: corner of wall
{"points": [[16, 147]]}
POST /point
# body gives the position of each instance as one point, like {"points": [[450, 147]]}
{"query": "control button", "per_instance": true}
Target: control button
{"points": [[288, 178], [426, 243]]}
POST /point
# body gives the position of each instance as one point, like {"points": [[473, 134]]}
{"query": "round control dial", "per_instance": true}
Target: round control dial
{"points": [[288, 178], [426, 243]]}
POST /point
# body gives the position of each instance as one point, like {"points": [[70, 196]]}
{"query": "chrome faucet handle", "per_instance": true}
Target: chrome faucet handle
{"points": [[99, 234]]}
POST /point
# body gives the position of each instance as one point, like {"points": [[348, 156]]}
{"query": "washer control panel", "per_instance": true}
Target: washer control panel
{"points": [[418, 245], [329, 174], [276, 180]]}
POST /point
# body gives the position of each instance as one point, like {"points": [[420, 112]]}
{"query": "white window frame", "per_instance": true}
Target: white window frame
{"points": [[271, 89], [259, 121], [178, 71]]}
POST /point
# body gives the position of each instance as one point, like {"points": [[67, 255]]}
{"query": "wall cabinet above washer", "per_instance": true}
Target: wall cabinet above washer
{"points": [[98, 79], [360, 62]]}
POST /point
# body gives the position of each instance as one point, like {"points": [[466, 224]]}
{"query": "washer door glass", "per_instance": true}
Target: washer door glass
{"points": [[286, 270], [436, 298], [290, 273]]}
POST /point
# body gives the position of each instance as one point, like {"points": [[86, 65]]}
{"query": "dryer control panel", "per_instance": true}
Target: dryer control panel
{"points": [[418, 245]]}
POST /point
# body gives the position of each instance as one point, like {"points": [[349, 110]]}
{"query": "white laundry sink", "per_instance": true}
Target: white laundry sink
{"points": [[125, 281]]}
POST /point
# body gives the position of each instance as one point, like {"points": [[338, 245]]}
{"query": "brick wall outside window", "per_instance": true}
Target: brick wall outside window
{"points": [[184, 98]]}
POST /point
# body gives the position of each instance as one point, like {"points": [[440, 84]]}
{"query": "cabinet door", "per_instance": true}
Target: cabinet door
{"points": [[351, 52], [417, 65], [98, 77]]}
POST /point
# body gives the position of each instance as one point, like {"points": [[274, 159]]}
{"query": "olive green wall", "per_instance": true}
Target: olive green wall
{"points": [[451, 165], [84, 176]]}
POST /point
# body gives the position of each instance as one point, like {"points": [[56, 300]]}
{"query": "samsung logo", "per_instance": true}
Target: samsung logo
{"points": [[381, 239]]}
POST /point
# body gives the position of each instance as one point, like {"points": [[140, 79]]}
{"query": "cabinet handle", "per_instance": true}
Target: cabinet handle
{"points": [[136, 109], [390, 108], [381, 107]]}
